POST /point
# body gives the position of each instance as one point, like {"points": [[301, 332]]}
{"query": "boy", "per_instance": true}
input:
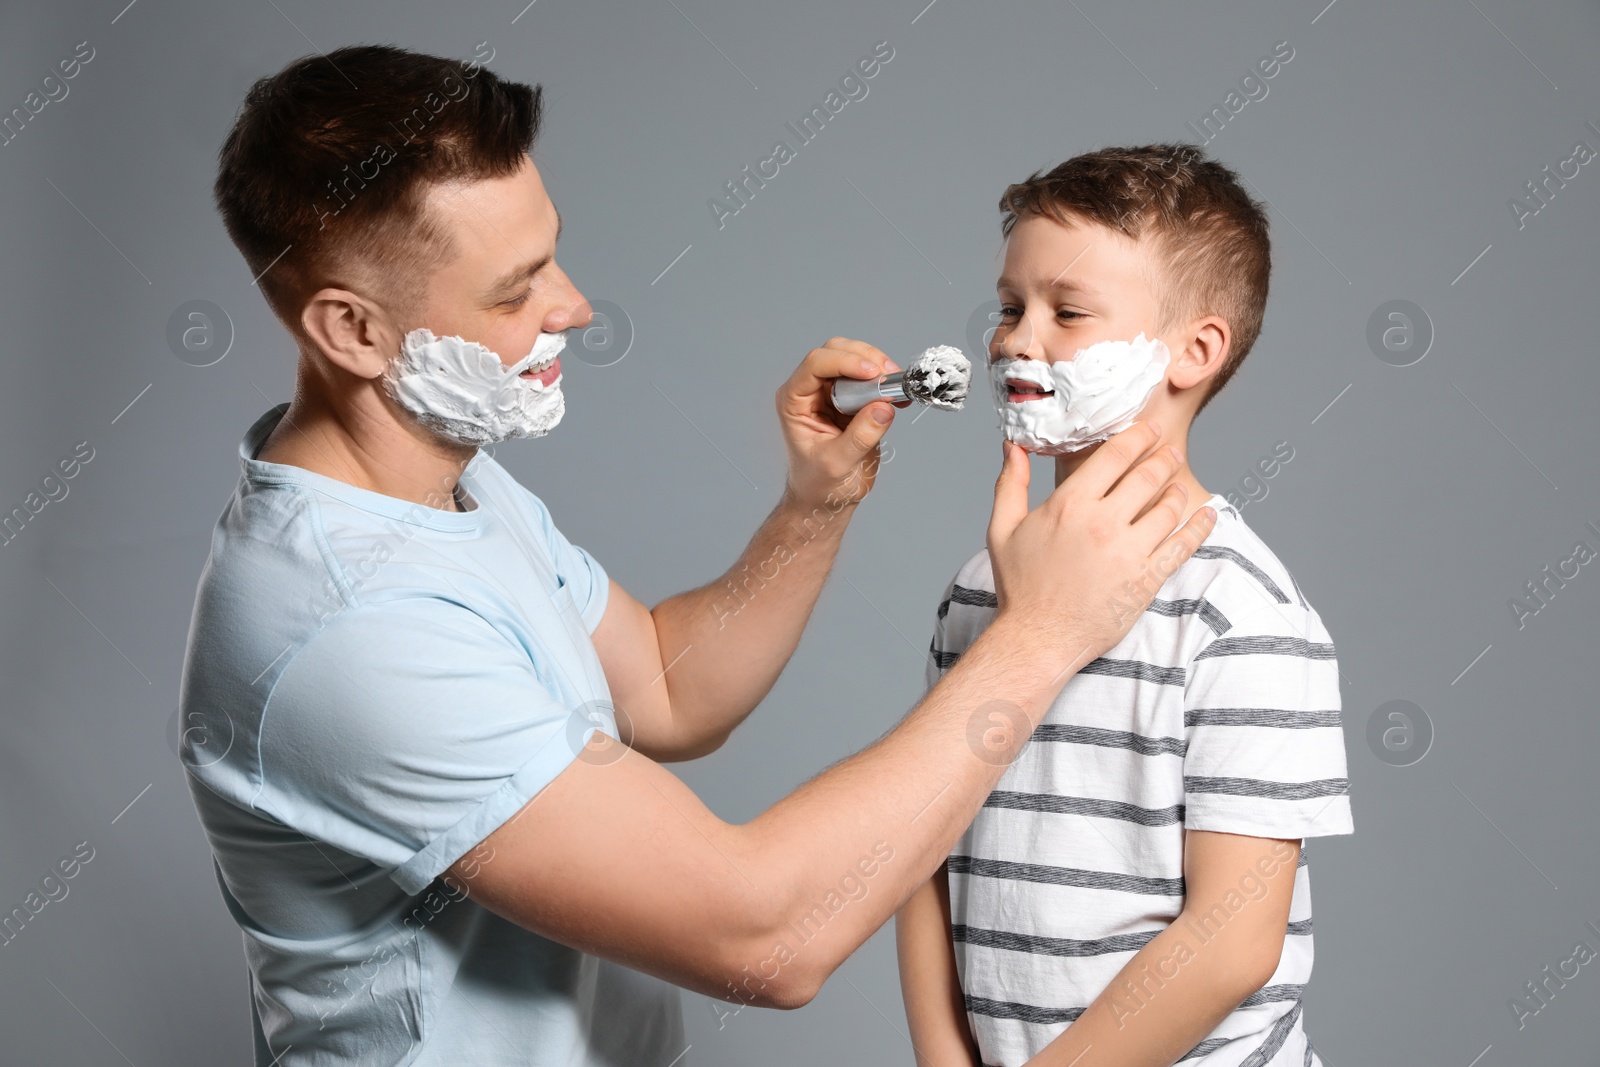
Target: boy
{"points": [[1133, 892]]}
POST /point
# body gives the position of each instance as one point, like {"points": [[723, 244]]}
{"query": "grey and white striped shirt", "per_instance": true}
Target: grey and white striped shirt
{"points": [[1218, 711]]}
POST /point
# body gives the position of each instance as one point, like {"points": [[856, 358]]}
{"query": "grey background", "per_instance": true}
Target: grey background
{"points": [[1414, 508]]}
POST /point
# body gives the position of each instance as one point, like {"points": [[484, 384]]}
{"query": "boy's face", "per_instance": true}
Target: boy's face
{"points": [[1066, 287]]}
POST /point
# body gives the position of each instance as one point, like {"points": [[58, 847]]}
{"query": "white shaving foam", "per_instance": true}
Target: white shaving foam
{"points": [[1097, 393], [463, 391]]}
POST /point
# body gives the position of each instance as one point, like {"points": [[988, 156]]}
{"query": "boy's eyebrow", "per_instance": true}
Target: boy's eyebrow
{"points": [[521, 274], [1071, 284]]}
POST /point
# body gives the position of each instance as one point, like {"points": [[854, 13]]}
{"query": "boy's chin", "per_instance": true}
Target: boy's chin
{"points": [[1077, 455]]}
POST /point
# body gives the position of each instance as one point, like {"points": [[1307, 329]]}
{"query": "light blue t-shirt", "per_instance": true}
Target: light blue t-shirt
{"points": [[372, 686]]}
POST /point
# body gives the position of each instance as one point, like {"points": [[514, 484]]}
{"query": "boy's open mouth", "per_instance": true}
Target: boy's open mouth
{"points": [[1019, 391]]}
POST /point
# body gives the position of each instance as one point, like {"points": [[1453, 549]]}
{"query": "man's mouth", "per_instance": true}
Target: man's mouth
{"points": [[546, 372], [1020, 391]]}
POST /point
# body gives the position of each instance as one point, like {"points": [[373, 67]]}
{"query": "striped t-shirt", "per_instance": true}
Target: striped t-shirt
{"points": [[1218, 711]]}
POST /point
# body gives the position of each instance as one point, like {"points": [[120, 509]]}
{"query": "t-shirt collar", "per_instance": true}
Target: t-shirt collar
{"points": [[262, 473]]}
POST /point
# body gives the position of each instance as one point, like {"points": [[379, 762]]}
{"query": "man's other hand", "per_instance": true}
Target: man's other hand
{"points": [[1084, 564]]}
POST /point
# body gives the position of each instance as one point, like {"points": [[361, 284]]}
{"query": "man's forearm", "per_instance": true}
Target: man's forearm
{"points": [[903, 802], [761, 912], [724, 644]]}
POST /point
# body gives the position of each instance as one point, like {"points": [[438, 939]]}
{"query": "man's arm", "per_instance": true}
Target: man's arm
{"points": [[929, 982], [618, 858], [1223, 946], [685, 673]]}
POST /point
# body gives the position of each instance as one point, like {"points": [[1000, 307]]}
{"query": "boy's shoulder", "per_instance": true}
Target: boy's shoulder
{"points": [[965, 609], [975, 576], [1234, 554], [1232, 577], [1236, 573]]}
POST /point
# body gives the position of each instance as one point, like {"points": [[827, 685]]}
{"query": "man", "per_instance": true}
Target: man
{"points": [[406, 694]]}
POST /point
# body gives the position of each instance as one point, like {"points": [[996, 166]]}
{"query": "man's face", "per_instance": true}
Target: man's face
{"points": [[503, 287], [1065, 287]]}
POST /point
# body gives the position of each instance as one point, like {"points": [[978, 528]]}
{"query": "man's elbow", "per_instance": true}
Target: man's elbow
{"points": [[775, 977], [791, 993], [682, 747], [761, 961], [678, 738], [702, 744]]}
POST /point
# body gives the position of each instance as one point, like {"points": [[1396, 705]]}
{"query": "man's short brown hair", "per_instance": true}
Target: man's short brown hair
{"points": [[324, 176], [1207, 232]]}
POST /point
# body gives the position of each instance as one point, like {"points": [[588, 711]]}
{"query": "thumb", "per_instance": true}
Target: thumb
{"points": [[864, 432], [1010, 494]]}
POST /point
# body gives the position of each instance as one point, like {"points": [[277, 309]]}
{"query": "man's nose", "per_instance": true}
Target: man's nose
{"points": [[571, 310]]}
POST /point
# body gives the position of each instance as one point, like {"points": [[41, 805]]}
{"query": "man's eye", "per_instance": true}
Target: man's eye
{"points": [[519, 301]]}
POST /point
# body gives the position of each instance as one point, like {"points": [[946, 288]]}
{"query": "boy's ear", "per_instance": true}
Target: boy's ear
{"points": [[1205, 347]]}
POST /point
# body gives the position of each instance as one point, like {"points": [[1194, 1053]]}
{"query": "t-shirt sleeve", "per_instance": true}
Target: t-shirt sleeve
{"points": [[577, 568], [407, 731], [938, 658], [1265, 754]]}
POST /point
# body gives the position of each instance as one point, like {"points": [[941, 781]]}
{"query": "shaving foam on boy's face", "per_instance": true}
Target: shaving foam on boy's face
{"points": [[1075, 359], [1060, 407]]}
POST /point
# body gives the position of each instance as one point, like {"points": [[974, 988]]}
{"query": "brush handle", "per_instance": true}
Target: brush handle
{"points": [[850, 395]]}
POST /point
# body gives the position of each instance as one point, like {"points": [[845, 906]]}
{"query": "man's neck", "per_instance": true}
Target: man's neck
{"points": [[363, 445]]}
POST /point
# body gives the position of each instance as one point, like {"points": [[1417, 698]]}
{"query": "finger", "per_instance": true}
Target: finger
{"points": [[1114, 458], [1171, 553], [864, 431], [1142, 486], [865, 351], [1010, 494], [822, 365], [1165, 513]]}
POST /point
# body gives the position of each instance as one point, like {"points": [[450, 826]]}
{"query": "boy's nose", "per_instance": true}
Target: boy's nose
{"points": [[1016, 341]]}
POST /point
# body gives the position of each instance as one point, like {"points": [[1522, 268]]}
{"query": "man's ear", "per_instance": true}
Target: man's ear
{"points": [[353, 332], [1206, 344]]}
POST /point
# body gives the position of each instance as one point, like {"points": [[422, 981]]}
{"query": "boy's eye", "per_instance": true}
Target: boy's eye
{"points": [[1067, 313], [1008, 313]]}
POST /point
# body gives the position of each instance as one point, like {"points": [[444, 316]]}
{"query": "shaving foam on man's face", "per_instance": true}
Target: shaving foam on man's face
{"points": [[1074, 359], [464, 391]]}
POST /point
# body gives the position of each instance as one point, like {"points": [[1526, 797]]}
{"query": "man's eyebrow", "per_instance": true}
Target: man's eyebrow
{"points": [[518, 275]]}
